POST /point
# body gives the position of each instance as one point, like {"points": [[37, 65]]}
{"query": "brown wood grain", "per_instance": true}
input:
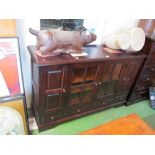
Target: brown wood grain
{"points": [[70, 88]]}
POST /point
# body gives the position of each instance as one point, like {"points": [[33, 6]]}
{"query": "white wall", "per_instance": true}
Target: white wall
{"points": [[102, 28], [25, 38]]}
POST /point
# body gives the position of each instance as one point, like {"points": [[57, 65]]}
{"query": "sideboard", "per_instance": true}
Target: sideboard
{"points": [[146, 76], [65, 87]]}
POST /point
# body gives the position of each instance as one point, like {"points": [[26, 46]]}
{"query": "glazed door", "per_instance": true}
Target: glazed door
{"points": [[107, 86], [129, 72], [82, 80], [116, 80]]}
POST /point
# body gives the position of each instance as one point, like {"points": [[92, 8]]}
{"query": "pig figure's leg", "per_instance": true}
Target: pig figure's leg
{"points": [[77, 44]]}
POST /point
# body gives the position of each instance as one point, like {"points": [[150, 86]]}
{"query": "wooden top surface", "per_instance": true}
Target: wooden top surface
{"points": [[127, 125], [95, 53]]}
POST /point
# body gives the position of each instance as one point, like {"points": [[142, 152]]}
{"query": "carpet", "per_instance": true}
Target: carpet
{"points": [[128, 125]]}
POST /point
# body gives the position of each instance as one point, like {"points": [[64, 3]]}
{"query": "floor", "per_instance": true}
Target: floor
{"points": [[76, 126]]}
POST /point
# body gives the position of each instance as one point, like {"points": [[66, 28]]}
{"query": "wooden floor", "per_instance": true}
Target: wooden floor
{"points": [[128, 125]]}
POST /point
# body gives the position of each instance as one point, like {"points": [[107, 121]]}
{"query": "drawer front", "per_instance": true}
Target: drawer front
{"points": [[144, 83], [54, 115], [109, 100], [138, 96]]}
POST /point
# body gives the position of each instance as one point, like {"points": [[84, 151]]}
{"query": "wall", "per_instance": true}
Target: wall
{"points": [[101, 27], [25, 38]]}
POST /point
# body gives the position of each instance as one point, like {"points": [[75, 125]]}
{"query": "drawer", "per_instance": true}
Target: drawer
{"points": [[54, 115], [144, 83], [138, 96], [109, 100], [148, 70]]}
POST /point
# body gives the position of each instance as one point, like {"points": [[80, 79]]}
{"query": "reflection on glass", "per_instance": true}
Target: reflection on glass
{"points": [[117, 71], [102, 89], [79, 94], [78, 76], [90, 75], [84, 75], [111, 72]]}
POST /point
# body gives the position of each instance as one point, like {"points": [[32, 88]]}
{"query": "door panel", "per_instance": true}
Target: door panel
{"points": [[54, 88], [54, 79], [82, 84], [53, 101], [83, 74], [110, 76], [80, 94]]}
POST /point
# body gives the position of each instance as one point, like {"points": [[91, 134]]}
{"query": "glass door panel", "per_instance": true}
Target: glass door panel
{"points": [[84, 75], [102, 89], [90, 74], [107, 70], [80, 94], [110, 76], [85, 93], [116, 71], [78, 76]]}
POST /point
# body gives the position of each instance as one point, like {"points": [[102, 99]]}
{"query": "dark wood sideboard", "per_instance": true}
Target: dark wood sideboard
{"points": [[65, 87], [146, 77]]}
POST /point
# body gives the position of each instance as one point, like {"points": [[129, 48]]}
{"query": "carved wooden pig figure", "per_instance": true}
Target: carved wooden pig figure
{"points": [[50, 41]]}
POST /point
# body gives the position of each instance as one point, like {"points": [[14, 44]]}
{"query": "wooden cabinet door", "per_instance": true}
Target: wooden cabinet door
{"points": [[109, 78], [129, 72], [82, 83], [116, 80], [53, 87]]}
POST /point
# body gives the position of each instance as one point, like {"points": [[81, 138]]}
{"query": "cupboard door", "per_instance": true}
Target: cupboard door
{"points": [[80, 94], [130, 70], [109, 78], [53, 88], [83, 80]]}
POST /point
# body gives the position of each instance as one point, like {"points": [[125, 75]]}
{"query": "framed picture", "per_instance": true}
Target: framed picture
{"points": [[13, 117], [10, 68]]}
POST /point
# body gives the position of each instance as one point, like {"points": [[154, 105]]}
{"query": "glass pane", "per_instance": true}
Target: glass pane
{"points": [[79, 94], [101, 90], [116, 71], [110, 87], [107, 71], [85, 93], [78, 76], [74, 96], [90, 75]]}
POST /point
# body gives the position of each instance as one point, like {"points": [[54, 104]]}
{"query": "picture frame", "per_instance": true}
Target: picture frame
{"points": [[13, 117], [10, 68], [13, 109]]}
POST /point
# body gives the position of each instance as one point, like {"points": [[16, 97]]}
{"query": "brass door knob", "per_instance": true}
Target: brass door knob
{"points": [[96, 84], [100, 83]]}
